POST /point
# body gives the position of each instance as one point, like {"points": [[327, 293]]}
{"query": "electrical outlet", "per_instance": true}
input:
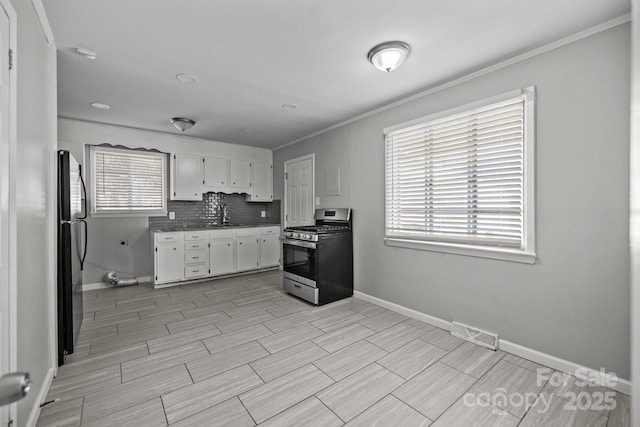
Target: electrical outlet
{"points": [[263, 214], [172, 215], [317, 201]]}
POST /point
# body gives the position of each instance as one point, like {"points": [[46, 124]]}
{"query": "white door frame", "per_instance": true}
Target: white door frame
{"points": [[11, 239], [634, 223], [311, 156]]}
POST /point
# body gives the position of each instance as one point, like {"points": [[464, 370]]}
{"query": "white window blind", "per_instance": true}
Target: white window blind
{"points": [[128, 181], [461, 178]]}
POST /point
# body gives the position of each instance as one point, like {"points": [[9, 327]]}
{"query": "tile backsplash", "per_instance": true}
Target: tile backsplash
{"points": [[209, 212]]}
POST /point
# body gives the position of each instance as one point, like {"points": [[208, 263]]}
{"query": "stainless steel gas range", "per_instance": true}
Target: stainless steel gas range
{"points": [[318, 259]]}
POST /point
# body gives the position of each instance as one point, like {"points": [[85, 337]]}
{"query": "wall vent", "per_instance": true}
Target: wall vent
{"points": [[476, 336]]}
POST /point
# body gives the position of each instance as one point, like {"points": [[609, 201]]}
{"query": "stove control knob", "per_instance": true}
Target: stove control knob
{"points": [[307, 236], [296, 235]]}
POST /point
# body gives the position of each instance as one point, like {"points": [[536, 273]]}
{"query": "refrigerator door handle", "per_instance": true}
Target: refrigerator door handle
{"points": [[84, 192], [84, 253]]}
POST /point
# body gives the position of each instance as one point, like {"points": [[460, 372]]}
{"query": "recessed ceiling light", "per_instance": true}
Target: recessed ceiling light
{"points": [[248, 130], [289, 107], [186, 78], [99, 106], [87, 53]]}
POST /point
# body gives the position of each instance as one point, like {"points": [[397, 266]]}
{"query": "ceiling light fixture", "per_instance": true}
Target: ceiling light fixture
{"points": [[87, 53], [186, 78], [99, 106], [248, 130], [388, 56], [182, 124], [289, 107]]}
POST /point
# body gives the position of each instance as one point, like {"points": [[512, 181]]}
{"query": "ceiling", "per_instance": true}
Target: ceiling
{"points": [[252, 56]]}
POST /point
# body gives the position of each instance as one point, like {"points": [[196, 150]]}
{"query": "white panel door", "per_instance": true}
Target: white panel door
{"points": [[5, 239], [299, 188]]}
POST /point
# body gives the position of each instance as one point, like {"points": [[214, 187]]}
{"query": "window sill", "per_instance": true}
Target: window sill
{"points": [[127, 214], [468, 250]]}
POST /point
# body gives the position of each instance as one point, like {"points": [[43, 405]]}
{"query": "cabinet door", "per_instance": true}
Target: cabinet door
{"points": [[216, 172], [240, 174], [186, 177], [269, 251], [221, 256], [247, 253], [168, 262], [261, 182]]}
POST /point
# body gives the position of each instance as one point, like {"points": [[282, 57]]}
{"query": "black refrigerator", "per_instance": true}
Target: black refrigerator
{"points": [[72, 249]]}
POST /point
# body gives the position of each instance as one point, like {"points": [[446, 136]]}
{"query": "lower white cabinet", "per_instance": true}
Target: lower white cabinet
{"points": [[222, 252], [184, 256], [168, 261], [269, 250], [247, 253]]}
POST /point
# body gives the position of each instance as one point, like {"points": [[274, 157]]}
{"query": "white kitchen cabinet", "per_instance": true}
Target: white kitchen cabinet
{"points": [[181, 256], [240, 175], [261, 182], [247, 244], [168, 258], [269, 250], [186, 177], [196, 255], [222, 252], [216, 174]]}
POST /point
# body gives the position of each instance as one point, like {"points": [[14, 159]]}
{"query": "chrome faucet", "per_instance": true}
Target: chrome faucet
{"points": [[225, 214]]}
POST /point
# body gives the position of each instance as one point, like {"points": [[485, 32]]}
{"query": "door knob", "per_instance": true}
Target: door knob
{"points": [[14, 387]]}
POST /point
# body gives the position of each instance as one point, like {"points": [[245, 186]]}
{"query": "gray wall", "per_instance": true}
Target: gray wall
{"points": [[36, 286], [573, 303]]}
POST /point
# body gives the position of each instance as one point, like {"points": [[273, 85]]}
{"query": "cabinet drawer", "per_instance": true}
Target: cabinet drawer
{"points": [[243, 232], [168, 237], [269, 230], [199, 270], [195, 246], [222, 234], [195, 235], [195, 257]]}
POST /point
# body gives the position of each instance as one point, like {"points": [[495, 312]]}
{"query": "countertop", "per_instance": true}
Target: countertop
{"points": [[209, 227]]}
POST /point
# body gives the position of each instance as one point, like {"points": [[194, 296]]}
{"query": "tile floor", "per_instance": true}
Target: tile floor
{"points": [[240, 352]]}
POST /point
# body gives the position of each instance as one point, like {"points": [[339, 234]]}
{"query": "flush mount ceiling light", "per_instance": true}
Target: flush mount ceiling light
{"points": [[248, 130], [87, 53], [388, 56], [289, 107], [182, 124], [186, 78], [99, 106]]}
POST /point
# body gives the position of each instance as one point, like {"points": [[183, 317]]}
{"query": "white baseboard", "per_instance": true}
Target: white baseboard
{"points": [[435, 321], [598, 377], [103, 285], [42, 395]]}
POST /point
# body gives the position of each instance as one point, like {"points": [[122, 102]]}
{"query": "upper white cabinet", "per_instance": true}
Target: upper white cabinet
{"points": [[216, 174], [261, 182], [186, 177], [240, 175], [192, 175]]}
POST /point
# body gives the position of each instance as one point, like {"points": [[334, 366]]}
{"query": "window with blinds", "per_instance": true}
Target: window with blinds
{"points": [[128, 181], [461, 178]]}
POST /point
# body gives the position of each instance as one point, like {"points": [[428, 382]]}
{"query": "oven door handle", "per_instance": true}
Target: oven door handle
{"points": [[300, 243]]}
